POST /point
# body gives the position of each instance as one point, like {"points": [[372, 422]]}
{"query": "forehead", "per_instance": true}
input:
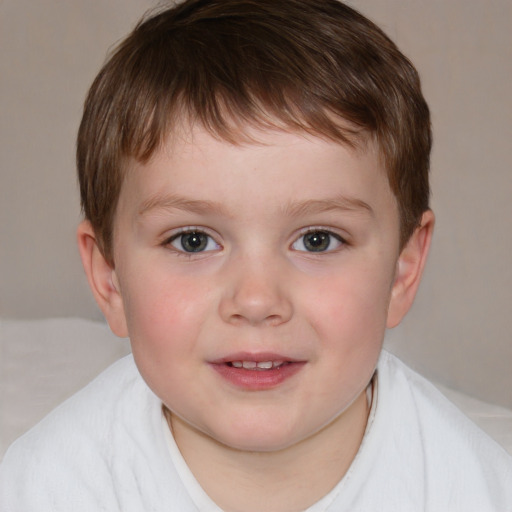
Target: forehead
{"points": [[283, 169], [188, 140]]}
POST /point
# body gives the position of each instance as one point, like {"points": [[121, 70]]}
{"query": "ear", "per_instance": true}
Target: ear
{"points": [[102, 279], [409, 269]]}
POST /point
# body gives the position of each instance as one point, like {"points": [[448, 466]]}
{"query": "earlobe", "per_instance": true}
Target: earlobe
{"points": [[409, 270], [102, 279]]}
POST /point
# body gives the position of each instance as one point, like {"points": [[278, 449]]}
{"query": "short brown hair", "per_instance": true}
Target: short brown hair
{"points": [[301, 64]]}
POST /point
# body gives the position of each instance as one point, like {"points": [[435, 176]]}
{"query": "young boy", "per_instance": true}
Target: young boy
{"points": [[254, 177]]}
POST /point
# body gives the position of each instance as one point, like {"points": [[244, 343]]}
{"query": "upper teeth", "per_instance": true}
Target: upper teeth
{"points": [[252, 365]]}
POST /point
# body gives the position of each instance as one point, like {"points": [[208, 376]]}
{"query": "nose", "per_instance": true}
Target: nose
{"points": [[256, 293]]}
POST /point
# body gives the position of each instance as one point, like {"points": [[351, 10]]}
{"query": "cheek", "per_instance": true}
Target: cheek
{"points": [[165, 320], [353, 305], [165, 314], [349, 318]]}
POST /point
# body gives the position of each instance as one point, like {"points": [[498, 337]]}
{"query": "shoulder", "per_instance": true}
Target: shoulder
{"points": [[82, 416], [94, 444], [454, 459]]}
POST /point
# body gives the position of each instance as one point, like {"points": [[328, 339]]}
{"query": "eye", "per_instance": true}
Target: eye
{"points": [[193, 241], [318, 241]]}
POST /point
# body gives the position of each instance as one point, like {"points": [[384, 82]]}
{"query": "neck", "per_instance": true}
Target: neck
{"points": [[286, 480]]}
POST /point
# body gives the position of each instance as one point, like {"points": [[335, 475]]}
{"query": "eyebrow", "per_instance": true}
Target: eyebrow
{"points": [[170, 202], [293, 209], [343, 203]]}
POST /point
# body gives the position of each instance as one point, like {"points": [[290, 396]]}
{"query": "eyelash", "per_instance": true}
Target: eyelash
{"points": [[300, 244], [320, 231], [200, 232]]}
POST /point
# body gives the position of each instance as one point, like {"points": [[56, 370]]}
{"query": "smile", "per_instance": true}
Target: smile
{"points": [[257, 372], [257, 365]]}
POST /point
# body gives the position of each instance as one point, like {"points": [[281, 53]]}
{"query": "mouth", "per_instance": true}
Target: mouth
{"points": [[257, 365], [256, 373]]}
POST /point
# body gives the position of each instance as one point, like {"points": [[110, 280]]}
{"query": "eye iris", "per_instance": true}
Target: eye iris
{"points": [[194, 242], [317, 241]]}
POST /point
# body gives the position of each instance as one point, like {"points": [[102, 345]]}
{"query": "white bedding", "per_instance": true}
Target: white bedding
{"points": [[42, 362]]}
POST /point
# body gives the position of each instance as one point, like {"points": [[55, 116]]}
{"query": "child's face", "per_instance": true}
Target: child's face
{"points": [[281, 254]]}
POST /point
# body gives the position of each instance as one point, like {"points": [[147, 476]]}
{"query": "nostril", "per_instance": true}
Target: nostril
{"points": [[269, 320], [255, 302], [273, 320], [237, 319]]}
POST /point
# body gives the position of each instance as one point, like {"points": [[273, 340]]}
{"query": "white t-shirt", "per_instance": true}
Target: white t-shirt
{"points": [[107, 449]]}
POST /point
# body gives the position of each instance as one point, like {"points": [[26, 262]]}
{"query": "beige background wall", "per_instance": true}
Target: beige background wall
{"points": [[459, 331]]}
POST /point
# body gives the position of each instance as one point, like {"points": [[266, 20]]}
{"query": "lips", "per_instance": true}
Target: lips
{"points": [[256, 372]]}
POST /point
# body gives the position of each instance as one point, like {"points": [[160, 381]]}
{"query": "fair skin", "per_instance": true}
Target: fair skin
{"points": [[283, 254]]}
